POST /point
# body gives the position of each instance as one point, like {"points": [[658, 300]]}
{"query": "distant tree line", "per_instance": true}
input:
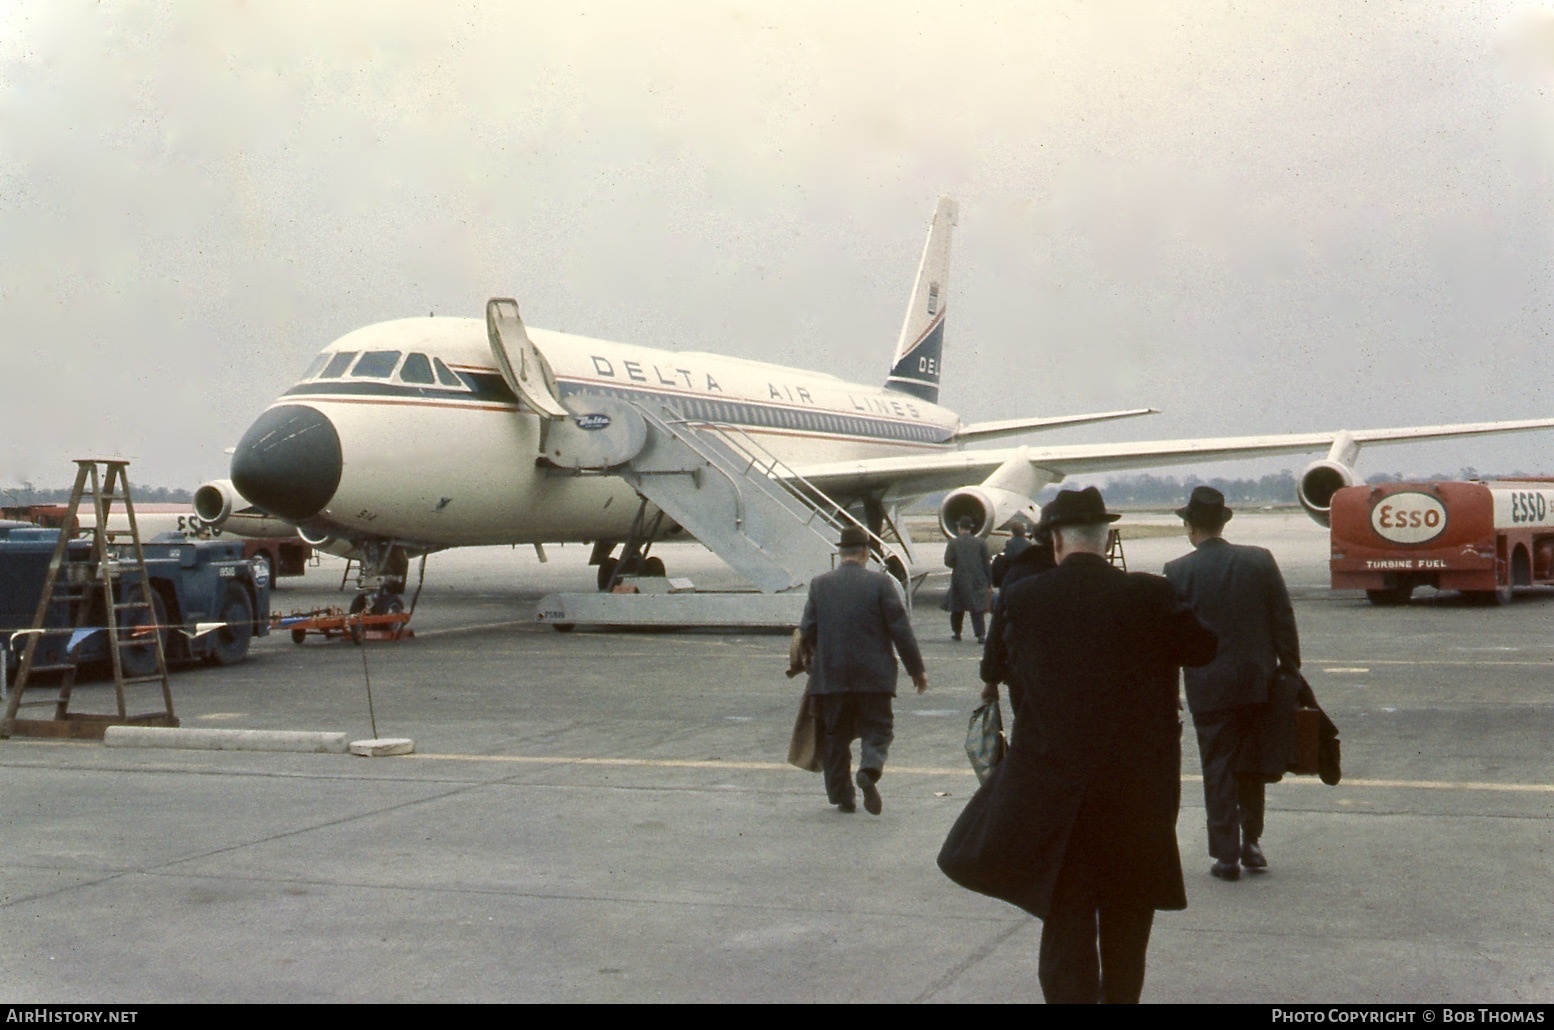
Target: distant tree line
{"points": [[29, 494], [1275, 488]]}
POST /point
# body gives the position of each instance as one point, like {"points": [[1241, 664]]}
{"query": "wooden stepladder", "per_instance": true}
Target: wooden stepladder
{"points": [[103, 584]]}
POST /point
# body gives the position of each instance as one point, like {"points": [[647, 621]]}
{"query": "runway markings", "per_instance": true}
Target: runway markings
{"points": [[907, 770]]}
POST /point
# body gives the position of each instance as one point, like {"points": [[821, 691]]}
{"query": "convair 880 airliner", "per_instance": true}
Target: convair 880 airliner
{"points": [[419, 434]]}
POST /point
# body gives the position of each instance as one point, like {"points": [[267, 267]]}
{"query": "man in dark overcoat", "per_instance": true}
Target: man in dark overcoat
{"points": [[854, 624], [1238, 592], [1017, 543], [971, 580], [1082, 810], [1032, 560]]}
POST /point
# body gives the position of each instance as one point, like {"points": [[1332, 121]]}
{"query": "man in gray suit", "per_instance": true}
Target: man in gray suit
{"points": [[852, 620], [1238, 592]]}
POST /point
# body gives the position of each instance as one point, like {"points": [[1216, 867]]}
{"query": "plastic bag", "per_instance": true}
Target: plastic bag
{"points": [[985, 742]]}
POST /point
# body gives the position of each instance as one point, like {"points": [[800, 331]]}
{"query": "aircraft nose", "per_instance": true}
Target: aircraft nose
{"points": [[289, 462]]}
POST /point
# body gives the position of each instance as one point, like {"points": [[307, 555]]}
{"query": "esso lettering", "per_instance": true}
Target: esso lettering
{"points": [[1408, 517], [1394, 519], [1529, 506]]}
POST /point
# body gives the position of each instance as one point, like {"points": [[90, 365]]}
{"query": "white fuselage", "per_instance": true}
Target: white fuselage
{"points": [[452, 462]]}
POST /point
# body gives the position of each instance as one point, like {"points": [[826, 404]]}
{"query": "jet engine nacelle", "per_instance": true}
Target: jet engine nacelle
{"points": [[987, 506], [320, 538], [1319, 481], [218, 505]]}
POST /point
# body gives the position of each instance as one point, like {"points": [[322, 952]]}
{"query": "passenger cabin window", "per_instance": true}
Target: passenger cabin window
{"points": [[417, 369], [375, 364], [318, 363], [337, 365], [446, 376]]}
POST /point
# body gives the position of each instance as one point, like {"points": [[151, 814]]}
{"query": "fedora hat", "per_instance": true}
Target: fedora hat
{"points": [[1075, 508], [854, 536], [1206, 507]]}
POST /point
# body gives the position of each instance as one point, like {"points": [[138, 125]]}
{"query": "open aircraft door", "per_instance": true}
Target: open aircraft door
{"points": [[518, 360]]}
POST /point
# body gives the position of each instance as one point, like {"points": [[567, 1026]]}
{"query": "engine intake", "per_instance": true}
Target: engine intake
{"points": [[987, 506], [1319, 481], [215, 501]]}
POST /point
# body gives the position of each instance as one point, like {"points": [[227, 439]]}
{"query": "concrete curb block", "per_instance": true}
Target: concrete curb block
{"points": [[226, 740], [382, 747]]}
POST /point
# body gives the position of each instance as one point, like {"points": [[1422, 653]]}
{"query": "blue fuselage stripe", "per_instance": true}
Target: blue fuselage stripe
{"points": [[486, 389]]}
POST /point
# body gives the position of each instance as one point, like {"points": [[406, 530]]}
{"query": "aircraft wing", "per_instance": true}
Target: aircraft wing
{"points": [[1016, 426], [913, 475]]}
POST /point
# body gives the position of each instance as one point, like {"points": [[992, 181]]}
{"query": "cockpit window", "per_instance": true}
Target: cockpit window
{"points": [[375, 364], [318, 363], [337, 365], [446, 377], [417, 369]]}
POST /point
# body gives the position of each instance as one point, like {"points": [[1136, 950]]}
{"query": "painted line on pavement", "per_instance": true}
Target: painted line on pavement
{"points": [[684, 763]]}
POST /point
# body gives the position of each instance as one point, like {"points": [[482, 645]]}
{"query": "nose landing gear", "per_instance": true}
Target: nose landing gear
{"points": [[384, 568]]}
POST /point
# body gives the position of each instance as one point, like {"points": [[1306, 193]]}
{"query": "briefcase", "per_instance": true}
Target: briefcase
{"points": [[1306, 752]]}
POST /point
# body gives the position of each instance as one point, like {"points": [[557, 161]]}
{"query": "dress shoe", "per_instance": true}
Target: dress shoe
{"points": [[1252, 856], [955, 637], [871, 794], [1225, 869], [847, 807]]}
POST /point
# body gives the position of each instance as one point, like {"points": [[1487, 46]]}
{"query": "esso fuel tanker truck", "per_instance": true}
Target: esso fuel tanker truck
{"points": [[1481, 538]]}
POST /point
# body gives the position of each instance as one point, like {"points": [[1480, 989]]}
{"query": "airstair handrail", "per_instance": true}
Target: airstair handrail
{"points": [[783, 474]]}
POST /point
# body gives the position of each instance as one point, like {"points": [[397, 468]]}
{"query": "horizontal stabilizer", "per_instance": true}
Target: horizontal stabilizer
{"points": [[978, 431]]}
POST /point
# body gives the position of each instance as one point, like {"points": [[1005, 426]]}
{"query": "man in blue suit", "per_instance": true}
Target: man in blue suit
{"points": [[1239, 593], [853, 624]]}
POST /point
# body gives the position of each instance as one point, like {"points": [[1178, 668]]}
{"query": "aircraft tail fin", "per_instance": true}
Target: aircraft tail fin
{"points": [[920, 350]]}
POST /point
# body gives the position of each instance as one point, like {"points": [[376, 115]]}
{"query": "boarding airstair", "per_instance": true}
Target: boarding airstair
{"points": [[734, 496], [738, 499]]}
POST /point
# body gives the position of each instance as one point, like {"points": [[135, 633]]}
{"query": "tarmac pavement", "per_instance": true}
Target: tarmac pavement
{"points": [[607, 817]]}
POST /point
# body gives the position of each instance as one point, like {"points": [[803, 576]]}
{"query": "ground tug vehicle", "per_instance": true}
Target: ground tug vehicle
{"points": [[1483, 538], [193, 582]]}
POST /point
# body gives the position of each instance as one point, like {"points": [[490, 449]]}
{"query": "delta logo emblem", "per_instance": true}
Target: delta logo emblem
{"points": [[592, 422]]}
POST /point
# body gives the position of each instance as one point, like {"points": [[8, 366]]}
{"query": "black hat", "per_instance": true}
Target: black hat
{"points": [[966, 522], [1206, 507], [854, 536], [1074, 508]]}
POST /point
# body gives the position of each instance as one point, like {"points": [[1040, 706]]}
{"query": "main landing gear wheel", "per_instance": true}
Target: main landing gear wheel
{"points": [[653, 566], [606, 572]]}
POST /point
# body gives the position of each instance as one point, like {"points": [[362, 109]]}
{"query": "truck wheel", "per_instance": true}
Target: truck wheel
{"points": [[229, 644], [140, 659]]}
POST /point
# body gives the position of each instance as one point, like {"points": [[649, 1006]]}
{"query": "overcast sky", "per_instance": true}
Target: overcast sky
{"points": [[1258, 216]]}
